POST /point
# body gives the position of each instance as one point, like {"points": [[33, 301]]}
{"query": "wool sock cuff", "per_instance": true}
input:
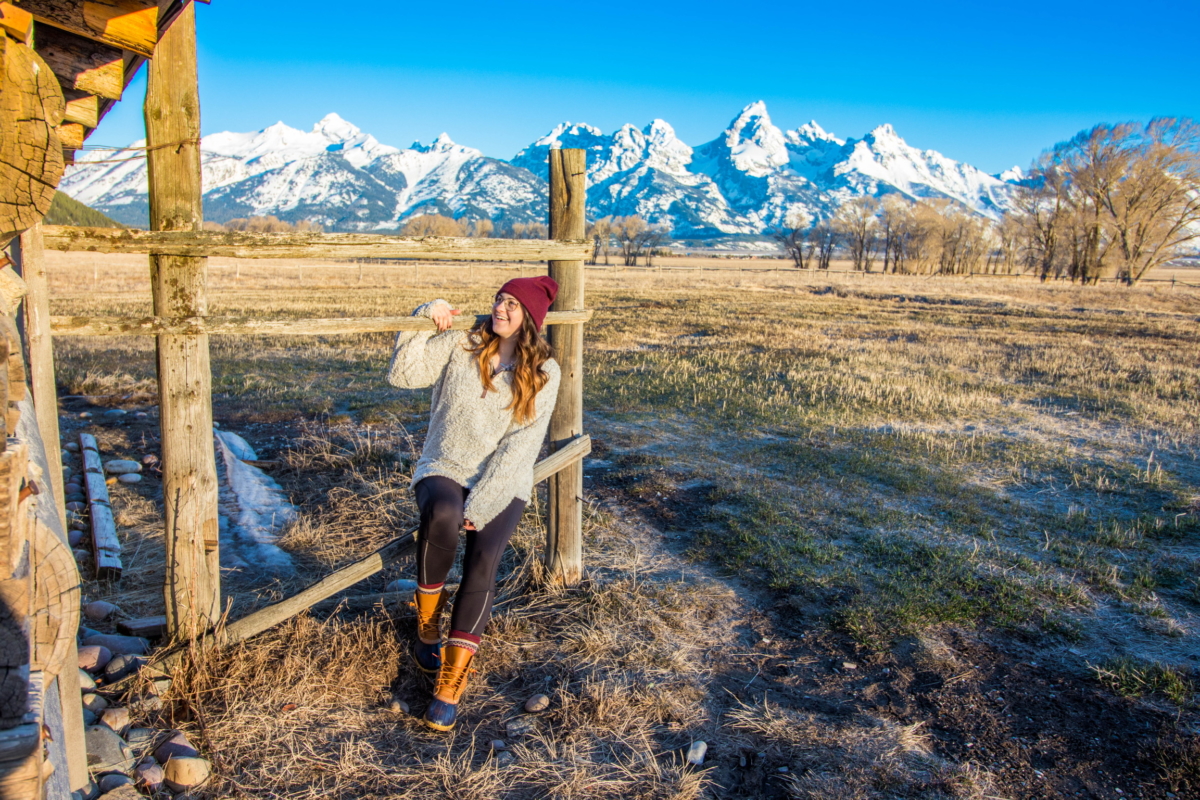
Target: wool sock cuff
{"points": [[467, 641], [432, 588]]}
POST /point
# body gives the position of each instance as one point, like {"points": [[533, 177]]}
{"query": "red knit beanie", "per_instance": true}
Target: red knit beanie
{"points": [[536, 294]]}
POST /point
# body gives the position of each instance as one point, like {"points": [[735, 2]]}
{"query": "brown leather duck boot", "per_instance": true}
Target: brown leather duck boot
{"points": [[451, 682], [427, 650]]}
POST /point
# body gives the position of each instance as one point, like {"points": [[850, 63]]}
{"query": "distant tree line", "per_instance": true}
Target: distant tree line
{"points": [[66, 210], [266, 224], [899, 235], [1113, 202], [632, 237]]}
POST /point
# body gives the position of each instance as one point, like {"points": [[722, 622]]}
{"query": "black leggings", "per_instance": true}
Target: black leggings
{"points": [[441, 501]]}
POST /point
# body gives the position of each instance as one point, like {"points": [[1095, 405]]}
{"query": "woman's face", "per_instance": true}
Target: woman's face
{"points": [[507, 315]]}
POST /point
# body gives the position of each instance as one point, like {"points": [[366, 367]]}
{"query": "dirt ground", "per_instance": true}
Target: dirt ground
{"points": [[996, 717], [1034, 719]]}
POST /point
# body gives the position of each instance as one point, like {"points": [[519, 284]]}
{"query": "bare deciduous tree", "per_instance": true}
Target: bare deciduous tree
{"points": [[480, 228], [601, 234], [794, 239], [529, 230], [268, 224], [433, 225], [857, 223], [1116, 200], [894, 214], [825, 238]]}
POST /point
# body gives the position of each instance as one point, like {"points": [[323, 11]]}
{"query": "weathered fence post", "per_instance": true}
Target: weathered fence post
{"points": [[36, 313], [172, 113], [564, 543]]}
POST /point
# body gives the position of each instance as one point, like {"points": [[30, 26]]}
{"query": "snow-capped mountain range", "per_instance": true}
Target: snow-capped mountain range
{"points": [[748, 180]]}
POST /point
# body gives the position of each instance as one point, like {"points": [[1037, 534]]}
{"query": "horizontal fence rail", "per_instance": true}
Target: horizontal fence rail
{"points": [[255, 326], [241, 244]]}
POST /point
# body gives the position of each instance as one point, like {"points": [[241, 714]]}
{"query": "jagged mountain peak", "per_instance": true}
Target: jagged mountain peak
{"points": [[746, 180], [568, 131], [884, 133], [1011, 175], [755, 146], [756, 109], [811, 132], [336, 129], [443, 144]]}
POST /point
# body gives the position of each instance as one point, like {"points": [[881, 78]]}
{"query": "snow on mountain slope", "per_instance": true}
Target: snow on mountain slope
{"points": [[749, 179], [881, 159], [334, 174], [640, 171]]}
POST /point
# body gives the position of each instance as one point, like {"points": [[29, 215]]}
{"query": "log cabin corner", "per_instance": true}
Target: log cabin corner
{"points": [[63, 66]]}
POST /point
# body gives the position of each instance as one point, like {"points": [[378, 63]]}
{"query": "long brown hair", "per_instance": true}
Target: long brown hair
{"points": [[528, 376]]}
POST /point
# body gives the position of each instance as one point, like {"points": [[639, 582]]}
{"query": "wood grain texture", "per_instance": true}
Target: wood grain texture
{"points": [[71, 135], [106, 547], [172, 111], [82, 64], [146, 627], [31, 163], [153, 326], [128, 24], [15, 589], [4, 429], [56, 590], [82, 108], [242, 244], [16, 22], [564, 540], [41, 355]]}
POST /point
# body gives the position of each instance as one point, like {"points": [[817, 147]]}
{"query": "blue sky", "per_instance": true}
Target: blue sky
{"points": [[992, 84]]}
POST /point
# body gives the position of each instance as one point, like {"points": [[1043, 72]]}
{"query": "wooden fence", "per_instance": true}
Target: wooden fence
{"points": [[192, 580], [178, 249], [40, 712]]}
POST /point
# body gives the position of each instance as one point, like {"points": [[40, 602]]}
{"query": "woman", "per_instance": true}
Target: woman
{"points": [[493, 390]]}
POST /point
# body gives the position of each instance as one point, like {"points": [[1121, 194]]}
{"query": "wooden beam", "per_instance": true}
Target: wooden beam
{"points": [[242, 244], [155, 326], [36, 316], [146, 627], [564, 540], [70, 135], [82, 64], [128, 24], [81, 108], [133, 62], [347, 576], [179, 284], [16, 22], [106, 547]]}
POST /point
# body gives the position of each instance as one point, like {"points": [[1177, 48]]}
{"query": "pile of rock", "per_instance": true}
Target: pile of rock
{"points": [[125, 759], [76, 500]]}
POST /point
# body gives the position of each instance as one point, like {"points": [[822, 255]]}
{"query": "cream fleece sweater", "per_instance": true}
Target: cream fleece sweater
{"points": [[472, 439]]}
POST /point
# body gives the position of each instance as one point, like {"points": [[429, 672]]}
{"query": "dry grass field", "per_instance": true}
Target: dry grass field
{"points": [[867, 536]]}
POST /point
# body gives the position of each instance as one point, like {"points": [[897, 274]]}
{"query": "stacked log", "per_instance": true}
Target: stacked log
{"points": [[31, 109], [23, 668]]}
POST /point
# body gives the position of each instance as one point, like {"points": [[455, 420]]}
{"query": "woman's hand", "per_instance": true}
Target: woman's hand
{"points": [[443, 316], [468, 525]]}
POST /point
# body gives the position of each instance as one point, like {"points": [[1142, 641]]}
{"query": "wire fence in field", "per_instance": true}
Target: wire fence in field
{"points": [[120, 273]]}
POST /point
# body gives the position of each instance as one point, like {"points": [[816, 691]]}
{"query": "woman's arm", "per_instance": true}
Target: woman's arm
{"points": [[509, 472], [420, 356]]}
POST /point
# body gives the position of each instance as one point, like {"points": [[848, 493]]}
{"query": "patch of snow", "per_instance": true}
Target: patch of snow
{"points": [[262, 510]]}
